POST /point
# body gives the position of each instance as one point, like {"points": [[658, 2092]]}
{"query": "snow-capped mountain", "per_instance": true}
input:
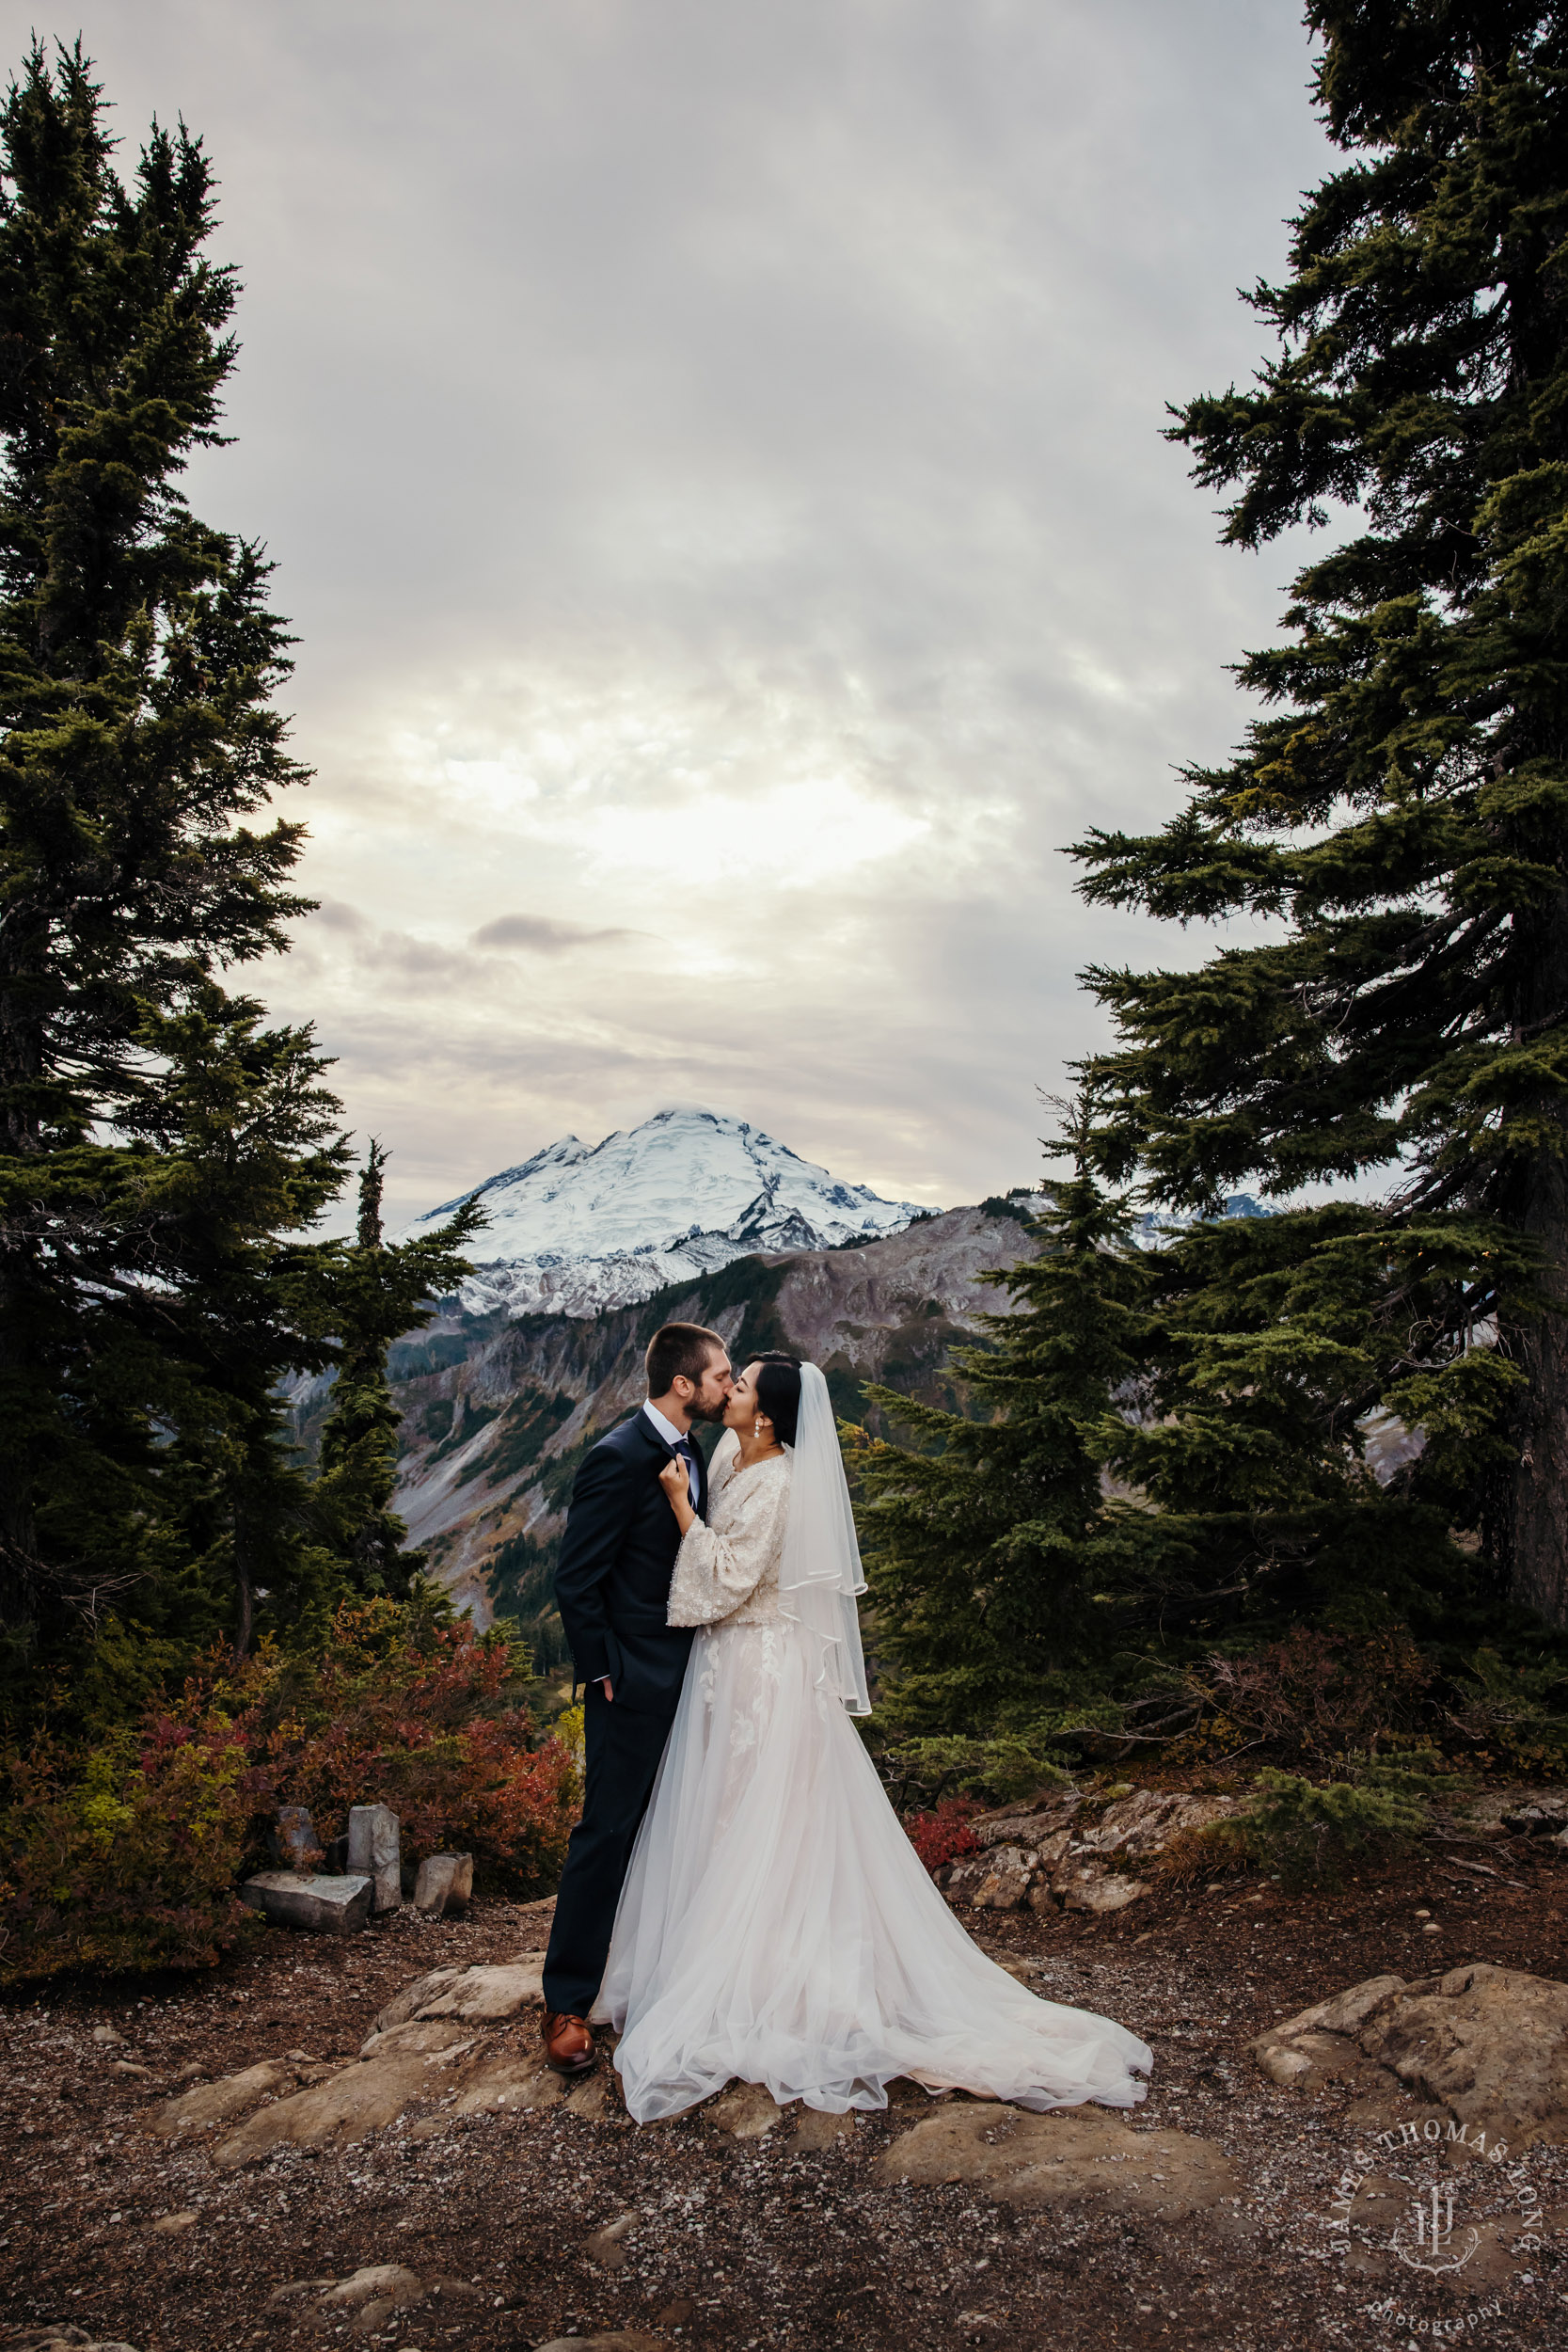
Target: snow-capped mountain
{"points": [[578, 1228], [1151, 1230]]}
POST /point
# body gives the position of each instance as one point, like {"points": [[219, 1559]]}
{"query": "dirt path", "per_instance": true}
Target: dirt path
{"points": [[735, 2242]]}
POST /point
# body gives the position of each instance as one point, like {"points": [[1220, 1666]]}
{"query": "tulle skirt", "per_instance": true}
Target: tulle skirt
{"points": [[777, 1927]]}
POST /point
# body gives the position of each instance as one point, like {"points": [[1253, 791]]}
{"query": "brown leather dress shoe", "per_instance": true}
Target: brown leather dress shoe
{"points": [[568, 2044]]}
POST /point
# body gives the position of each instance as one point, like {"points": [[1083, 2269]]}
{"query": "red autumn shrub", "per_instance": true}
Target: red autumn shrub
{"points": [[127, 1855], [433, 1724], [943, 1834], [123, 1859]]}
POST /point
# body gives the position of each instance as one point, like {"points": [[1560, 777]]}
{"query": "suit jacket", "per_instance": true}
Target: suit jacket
{"points": [[617, 1558]]}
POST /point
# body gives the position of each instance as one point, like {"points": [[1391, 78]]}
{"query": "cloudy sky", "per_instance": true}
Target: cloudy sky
{"points": [[711, 449]]}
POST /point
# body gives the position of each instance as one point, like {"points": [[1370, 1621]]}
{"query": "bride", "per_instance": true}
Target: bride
{"points": [[776, 1925]]}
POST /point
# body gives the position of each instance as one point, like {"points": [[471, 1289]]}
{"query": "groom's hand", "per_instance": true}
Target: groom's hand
{"points": [[606, 1686]]}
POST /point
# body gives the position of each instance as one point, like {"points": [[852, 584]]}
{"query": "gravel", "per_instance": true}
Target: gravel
{"points": [[525, 2229]]}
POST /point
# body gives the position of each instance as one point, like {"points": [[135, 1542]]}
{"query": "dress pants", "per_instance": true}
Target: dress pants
{"points": [[622, 1752]]}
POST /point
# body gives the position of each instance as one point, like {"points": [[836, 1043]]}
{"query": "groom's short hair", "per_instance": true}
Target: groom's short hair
{"points": [[679, 1351]]}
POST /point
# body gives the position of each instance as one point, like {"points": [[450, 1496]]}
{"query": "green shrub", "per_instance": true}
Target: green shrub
{"points": [[1308, 1832], [1004, 1770], [1516, 1713]]}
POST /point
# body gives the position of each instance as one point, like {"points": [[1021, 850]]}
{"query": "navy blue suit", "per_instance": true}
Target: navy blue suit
{"points": [[613, 1588]]}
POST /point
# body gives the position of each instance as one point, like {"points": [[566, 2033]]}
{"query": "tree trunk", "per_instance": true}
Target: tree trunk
{"points": [[1537, 1524], [23, 938], [1538, 1515], [19, 1560], [245, 1609]]}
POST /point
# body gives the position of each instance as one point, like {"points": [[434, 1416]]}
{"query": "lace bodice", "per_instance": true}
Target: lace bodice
{"points": [[728, 1570]]}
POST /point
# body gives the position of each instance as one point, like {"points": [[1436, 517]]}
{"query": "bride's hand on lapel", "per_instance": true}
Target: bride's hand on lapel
{"points": [[677, 1487]]}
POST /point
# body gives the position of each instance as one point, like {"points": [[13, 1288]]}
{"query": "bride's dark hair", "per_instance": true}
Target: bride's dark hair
{"points": [[779, 1392]]}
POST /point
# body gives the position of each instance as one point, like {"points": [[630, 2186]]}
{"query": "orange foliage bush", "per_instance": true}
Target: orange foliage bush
{"points": [[125, 1860], [434, 1726], [1193, 1855], [127, 1855], [1314, 1694]]}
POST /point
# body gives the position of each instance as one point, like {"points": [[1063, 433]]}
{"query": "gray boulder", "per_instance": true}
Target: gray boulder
{"points": [[322, 1906], [445, 1884], [373, 1853], [1541, 1814], [1074, 1851]]}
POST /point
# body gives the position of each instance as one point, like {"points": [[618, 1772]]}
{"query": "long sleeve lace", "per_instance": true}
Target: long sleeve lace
{"points": [[721, 1566]]}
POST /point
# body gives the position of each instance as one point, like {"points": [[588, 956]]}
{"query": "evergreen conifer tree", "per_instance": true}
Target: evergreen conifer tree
{"points": [[1400, 812], [164, 1154], [990, 1549], [376, 1293], [1285, 1361], [138, 657]]}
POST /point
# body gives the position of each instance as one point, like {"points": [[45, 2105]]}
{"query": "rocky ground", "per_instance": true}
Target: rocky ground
{"points": [[282, 2213]]}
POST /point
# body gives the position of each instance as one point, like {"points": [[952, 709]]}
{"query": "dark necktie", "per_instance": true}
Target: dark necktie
{"points": [[687, 1453]]}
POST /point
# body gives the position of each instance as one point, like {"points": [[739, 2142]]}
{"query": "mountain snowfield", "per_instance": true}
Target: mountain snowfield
{"points": [[580, 1228]]}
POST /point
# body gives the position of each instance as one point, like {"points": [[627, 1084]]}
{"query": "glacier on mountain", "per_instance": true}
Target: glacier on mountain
{"points": [[580, 1228]]}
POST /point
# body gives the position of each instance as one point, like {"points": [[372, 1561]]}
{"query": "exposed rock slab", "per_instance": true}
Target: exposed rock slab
{"points": [[61, 2338], [1067, 2157], [745, 2110], [1105, 1890], [363, 2098], [420, 2038], [434, 2045], [479, 1993], [510, 2082], [319, 1905], [1075, 1852], [815, 2130], [374, 2294], [431, 2064], [596, 2096], [1488, 2044], [624, 2339], [379, 2281], [210, 2103]]}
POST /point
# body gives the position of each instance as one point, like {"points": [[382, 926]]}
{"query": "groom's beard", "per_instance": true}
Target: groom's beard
{"points": [[710, 1412]]}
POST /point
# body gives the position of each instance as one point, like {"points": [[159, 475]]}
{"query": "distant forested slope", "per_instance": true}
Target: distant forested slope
{"points": [[497, 1414]]}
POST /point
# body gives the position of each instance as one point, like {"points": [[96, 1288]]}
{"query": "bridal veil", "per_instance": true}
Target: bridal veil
{"points": [[819, 1573]]}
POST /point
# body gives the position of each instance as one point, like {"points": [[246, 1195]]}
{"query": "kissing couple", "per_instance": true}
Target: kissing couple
{"points": [[739, 1900]]}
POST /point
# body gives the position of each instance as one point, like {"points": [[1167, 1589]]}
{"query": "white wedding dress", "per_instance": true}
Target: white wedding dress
{"points": [[776, 1925]]}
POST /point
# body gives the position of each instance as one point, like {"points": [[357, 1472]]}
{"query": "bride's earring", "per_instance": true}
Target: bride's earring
{"points": [[757, 1426]]}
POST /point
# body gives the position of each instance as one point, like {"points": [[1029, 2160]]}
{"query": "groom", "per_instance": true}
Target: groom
{"points": [[613, 1588]]}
